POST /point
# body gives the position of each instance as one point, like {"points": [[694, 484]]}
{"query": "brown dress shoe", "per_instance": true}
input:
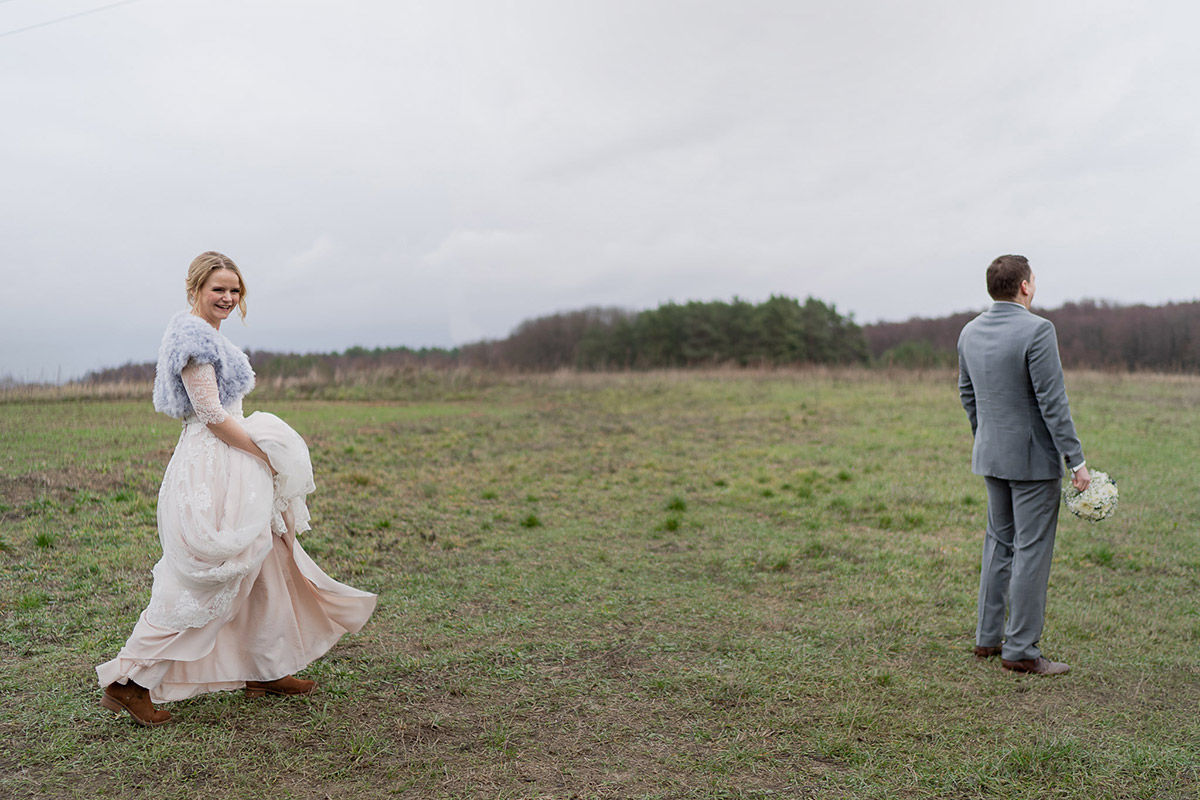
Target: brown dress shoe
{"points": [[1036, 666], [136, 700], [287, 685], [983, 651]]}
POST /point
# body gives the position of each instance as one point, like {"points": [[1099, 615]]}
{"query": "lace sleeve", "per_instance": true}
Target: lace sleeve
{"points": [[200, 380]]}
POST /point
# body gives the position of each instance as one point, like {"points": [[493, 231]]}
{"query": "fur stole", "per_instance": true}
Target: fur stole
{"points": [[189, 338]]}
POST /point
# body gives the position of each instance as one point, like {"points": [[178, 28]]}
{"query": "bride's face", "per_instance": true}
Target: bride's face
{"points": [[218, 297]]}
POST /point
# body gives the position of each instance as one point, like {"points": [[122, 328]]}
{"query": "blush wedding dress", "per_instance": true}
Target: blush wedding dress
{"points": [[235, 598]]}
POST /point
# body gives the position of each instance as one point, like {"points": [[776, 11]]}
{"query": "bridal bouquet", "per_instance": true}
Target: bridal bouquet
{"points": [[1097, 502]]}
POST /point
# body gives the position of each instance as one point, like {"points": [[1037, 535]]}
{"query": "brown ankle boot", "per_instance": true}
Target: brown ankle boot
{"points": [[136, 700], [286, 685]]}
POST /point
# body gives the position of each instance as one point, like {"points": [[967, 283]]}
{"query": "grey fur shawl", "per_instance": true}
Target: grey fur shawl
{"points": [[189, 338]]}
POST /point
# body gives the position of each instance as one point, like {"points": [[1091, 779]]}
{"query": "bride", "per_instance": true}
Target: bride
{"points": [[236, 602]]}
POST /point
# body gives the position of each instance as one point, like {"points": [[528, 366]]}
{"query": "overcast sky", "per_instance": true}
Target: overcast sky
{"points": [[433, 173]]}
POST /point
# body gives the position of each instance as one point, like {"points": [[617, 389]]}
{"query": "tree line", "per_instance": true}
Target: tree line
{"points": [[780, 330], [1091, 335]]}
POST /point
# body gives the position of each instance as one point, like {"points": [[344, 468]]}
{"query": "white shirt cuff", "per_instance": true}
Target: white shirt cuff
{"points": [[1078, 466]]}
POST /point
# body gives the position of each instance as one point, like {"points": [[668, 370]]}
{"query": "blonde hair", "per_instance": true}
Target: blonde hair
{"points": [[206, 264]]}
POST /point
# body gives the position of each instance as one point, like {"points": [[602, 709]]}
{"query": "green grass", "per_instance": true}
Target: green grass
{"points": [[668, 585]]}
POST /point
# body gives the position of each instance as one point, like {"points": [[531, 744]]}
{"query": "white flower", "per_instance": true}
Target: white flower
{"points": [[1097, 502]]}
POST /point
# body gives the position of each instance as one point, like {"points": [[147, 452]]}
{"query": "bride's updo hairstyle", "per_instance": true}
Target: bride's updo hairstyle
{"points": [[206, 264]]}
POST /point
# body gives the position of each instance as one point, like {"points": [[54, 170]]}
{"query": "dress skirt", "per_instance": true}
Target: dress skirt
{"points": [[235, 597]]}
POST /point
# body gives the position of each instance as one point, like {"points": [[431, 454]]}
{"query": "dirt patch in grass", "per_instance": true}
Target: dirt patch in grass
{"points": [[58, 486], [583, 728]]}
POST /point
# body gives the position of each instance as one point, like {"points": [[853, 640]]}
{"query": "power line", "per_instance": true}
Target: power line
{"points": [[63, 19]]}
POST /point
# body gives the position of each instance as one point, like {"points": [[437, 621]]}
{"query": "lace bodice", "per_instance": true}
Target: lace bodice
{"points": [[200, 381]]}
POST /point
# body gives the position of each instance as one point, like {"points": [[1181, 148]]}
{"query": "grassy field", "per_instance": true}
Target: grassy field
{"points": [[722, 585]]}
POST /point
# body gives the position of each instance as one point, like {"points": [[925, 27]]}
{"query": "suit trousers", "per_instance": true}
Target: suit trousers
{"points": [[1022, 520]]}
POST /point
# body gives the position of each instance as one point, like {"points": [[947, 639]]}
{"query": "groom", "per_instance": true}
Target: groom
{"points": [[1010, 382]]}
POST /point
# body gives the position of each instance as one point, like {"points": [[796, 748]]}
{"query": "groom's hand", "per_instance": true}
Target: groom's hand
{"points": [[1081, 478]]}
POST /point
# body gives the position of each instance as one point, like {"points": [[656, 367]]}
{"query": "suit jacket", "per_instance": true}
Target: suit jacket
{"points": [[1010, 382]]}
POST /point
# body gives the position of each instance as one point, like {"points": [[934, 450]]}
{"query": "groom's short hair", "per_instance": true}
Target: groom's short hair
{"points": [[1004, 276]]}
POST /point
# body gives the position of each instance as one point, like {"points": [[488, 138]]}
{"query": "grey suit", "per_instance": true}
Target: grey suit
{"points": [[1010, 382]]}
